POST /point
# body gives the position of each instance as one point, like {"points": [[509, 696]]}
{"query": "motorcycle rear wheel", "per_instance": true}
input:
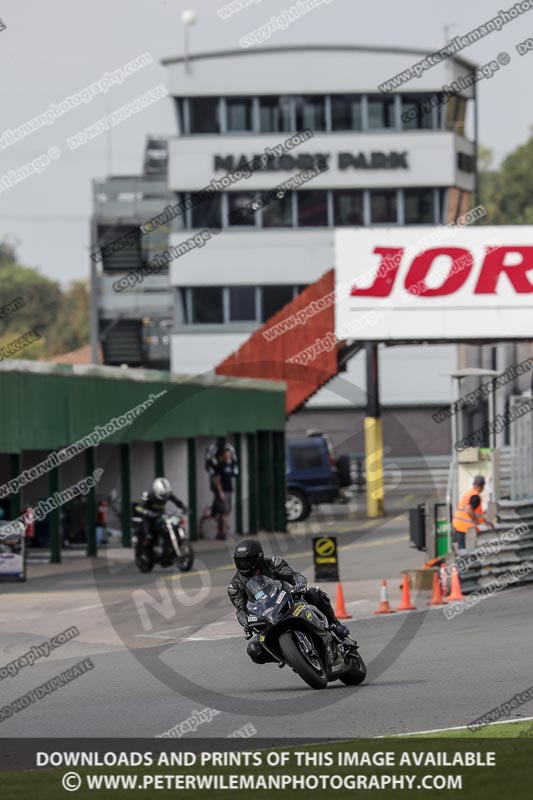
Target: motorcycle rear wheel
{"points": [[296, 659], [357, 673]]}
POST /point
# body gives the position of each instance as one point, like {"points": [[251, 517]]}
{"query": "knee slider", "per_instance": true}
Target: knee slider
{"points": [[254, 650]]}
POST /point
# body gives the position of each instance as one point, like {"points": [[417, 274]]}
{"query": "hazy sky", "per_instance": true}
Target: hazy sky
{"points": [[55, 48]]}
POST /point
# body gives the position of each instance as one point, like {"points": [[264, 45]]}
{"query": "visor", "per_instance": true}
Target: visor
{"points": [[245, 564]]}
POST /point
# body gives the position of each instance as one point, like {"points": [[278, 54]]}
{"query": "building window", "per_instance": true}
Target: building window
{"points": [[419, 206], [310, 113], [346, 112], [206, 211], [242, 304], [207, 305], [182, 307], [383, 206], [380, 112], [454, 113], [244, 209], [466, 163], [274, 298], [240, 210], [204, 115], [179, 115], [239, 114], [460, 114], [348, 207], [274, 114], [278, 214], [443, 202], [417, 111], [312, 208]]}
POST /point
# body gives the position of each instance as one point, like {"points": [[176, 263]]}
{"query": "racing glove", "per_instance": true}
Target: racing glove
{"points": [[299, 587]]}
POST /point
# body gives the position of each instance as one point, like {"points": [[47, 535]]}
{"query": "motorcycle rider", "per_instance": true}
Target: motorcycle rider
{"points": [[250, 561], [152, 507]]}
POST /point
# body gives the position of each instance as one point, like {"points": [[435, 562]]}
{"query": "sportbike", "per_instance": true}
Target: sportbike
{"points": [[169, 545], [298, 634]]}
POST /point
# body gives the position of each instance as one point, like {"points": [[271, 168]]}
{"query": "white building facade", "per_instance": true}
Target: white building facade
{"points": [[386, 160]]}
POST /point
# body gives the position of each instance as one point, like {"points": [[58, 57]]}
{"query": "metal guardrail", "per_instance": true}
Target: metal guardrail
{"points": [[420, 475], [481, 570], [431, 474]]}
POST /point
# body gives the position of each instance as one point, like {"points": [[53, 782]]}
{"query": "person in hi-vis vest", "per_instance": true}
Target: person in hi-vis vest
{"points": [[469, 512]]}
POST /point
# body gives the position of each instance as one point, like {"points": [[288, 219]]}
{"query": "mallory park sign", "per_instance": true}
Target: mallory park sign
{"points": [[285, 163]]}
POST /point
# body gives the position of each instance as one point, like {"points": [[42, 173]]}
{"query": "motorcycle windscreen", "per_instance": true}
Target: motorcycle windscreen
{"points": [[260, 587], [267, 597]]}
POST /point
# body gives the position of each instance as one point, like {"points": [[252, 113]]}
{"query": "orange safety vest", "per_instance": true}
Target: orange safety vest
{"points": [[462, 520]]}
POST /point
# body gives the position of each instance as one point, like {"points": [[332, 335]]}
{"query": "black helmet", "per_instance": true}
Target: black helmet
{"points": [[248, 557]]}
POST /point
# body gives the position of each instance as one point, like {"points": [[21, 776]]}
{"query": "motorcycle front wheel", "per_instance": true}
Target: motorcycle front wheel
{"points": [[186, 558], [357, 673], [144, 564], [314, 675]]}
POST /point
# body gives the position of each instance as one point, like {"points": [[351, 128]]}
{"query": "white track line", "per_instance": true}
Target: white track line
{"points": [[86, 608], [457, 728]]}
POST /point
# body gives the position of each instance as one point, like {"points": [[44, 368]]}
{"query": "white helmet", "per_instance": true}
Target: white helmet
{"points": [[161, 488]]}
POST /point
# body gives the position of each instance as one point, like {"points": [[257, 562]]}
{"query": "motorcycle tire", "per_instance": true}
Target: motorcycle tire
{"points": [[296, 659], [144, 565], [186, 560], [357, 673]]}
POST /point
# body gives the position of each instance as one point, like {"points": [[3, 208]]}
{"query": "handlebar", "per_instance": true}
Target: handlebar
{"points": [[298, 591]]}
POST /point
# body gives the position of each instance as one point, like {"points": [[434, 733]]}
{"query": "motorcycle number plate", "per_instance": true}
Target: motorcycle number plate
{"points": [[298, 610]]}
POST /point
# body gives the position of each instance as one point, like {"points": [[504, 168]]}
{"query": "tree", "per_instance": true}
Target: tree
{"points": [[71, 327], [60, 318], [40, 295], [507, 193], [7, 253]]}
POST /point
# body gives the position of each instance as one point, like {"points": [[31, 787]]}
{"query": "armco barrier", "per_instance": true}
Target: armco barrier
{"points": [[511, 550], [425, 476]]}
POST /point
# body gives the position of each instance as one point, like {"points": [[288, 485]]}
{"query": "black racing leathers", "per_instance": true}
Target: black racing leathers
{"points": [[151, 509], [278, 569]]}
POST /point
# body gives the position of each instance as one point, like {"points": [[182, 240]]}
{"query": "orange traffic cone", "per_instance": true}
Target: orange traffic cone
{"points": [[384, 607], [405, 604], [340, 608], [455, 593], [437, 599]]}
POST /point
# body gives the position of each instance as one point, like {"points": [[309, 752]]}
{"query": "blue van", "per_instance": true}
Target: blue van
{"points": [[311, 475]]}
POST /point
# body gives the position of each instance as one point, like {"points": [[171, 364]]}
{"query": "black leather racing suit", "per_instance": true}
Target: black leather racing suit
{"points": [[278, 569], [151, 509]]}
